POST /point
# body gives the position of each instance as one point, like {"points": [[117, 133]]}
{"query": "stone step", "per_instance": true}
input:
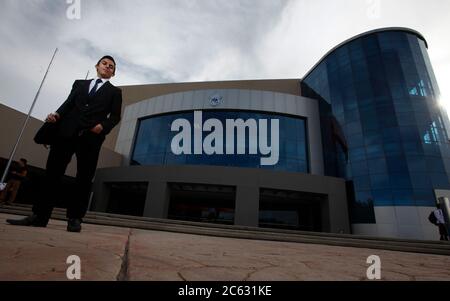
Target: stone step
{"points": [[92, 214], [346, 240]]}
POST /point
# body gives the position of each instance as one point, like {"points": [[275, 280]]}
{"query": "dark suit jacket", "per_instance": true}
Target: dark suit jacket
{"points": [[81, 112]]}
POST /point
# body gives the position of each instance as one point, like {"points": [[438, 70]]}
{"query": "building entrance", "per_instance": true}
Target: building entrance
{"points": [[290, 210], [202, 203], [127, 198]]}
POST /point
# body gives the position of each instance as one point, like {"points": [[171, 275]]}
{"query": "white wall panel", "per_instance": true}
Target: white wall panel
{"points": [[232, 99]]}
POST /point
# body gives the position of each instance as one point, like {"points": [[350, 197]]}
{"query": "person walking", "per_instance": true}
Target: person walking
{"points": [[437, 218]]}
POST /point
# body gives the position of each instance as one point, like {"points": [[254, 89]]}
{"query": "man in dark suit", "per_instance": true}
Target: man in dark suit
{"points": [[90, 112]]}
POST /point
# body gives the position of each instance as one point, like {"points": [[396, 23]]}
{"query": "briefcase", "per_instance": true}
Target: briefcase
{"points": [[47, 134]]}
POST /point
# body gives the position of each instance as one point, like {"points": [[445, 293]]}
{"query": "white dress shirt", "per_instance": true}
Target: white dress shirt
{"points": [[439, 216], [92, 84]]}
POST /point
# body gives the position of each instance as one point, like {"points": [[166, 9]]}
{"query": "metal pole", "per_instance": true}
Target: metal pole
{"points": [[87, 75], [5, 173]]}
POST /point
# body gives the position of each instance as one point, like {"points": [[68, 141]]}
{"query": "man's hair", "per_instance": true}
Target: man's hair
{"points": [[24, 161], [109, 58]]}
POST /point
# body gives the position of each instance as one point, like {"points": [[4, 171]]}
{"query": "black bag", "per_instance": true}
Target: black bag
{"points": [[432, 218], [47, 134]]}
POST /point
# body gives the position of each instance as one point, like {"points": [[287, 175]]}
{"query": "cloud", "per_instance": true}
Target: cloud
{"points": [[175, 38], [152, 42], [307, 30], [156, 41]]}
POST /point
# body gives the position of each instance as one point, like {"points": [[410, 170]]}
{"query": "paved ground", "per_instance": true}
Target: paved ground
{"points": [[112, 253]]}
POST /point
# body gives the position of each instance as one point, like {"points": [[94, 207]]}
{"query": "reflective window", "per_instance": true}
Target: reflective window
{"points": [[424, 197], [377, 166], [153, 143], [383, 92], [402, 197], [382, 197], [379, 181]]}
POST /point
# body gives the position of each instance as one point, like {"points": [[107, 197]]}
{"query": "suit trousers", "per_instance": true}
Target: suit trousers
{"points": [[86, 146]]}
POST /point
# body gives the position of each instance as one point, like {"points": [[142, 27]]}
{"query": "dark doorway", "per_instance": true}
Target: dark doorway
{"points": [[33, 186], [290, 210], [127, 198], [202, 203]]}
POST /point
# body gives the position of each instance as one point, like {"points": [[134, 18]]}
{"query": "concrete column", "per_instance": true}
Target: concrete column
{"points": [[100, 198], [157, 201], [338, 209], [246, 211], [325, 214]]}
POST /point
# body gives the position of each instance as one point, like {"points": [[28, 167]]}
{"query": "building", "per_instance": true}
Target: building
{"points": [[359, 145], [362, 139], [384, 97]]}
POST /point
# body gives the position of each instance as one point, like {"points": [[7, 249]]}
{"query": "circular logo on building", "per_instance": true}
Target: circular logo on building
{"points": [[215, 100]]}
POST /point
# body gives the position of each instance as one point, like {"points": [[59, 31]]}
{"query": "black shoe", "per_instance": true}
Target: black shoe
{"points": [[32, 220], [74, 225]]}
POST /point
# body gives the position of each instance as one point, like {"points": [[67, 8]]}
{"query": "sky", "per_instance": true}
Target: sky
{"points": [[166, 41]]}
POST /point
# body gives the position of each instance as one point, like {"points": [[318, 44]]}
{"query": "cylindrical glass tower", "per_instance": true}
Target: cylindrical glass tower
{"points": [[384, 97]]}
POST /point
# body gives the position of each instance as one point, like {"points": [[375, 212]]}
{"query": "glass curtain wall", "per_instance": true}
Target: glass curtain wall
{"points": [[384, 96], [152, 145]]}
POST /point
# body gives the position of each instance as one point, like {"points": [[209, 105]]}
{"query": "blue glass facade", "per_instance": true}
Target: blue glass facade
{"points": [[384, 98], [152, 144]]}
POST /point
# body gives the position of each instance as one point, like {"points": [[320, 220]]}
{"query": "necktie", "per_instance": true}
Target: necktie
{"points": [[94, 89]]}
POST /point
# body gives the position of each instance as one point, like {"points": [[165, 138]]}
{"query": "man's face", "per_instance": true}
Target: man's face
{"points": [[106, 68]]}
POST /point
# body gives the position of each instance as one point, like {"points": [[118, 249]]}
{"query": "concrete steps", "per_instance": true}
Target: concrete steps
{"points": [[345, 240]]}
